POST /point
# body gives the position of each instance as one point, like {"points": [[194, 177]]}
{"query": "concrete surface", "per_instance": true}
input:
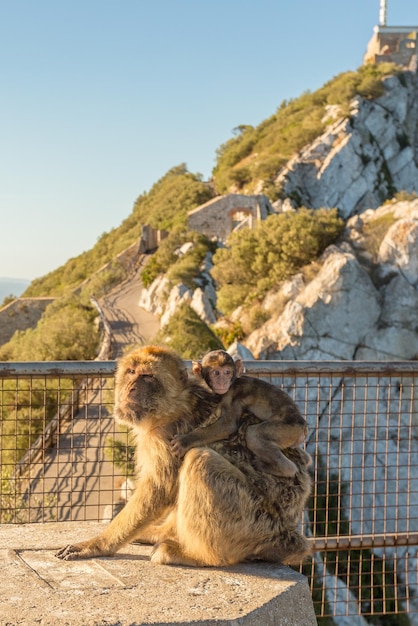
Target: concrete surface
{"points": [[126, 589]]}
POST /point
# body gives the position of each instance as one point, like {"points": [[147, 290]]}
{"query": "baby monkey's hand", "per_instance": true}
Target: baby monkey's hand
{"points": [[179, 445]]}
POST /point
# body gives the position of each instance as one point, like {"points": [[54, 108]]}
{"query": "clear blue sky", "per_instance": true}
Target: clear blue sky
{"points": [[99, 98]]}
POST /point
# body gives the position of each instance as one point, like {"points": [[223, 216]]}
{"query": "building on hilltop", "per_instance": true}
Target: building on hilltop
{"points": [[393, 44], [224, 214]]}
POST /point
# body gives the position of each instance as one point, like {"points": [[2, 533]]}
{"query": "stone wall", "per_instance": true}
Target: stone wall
{"points": [[220, 216], [151, 238], [129, 589], [393, 44]]}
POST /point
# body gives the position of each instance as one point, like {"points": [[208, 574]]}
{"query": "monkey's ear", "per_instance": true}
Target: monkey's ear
{"points": [[197, 368], [239, 368]]}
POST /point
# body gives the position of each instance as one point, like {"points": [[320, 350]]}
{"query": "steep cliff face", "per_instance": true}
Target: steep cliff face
{"points": [[360, 161]]}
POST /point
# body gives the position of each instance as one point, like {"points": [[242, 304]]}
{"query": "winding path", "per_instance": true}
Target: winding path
{"points": [[130, 324], [75, 481]]}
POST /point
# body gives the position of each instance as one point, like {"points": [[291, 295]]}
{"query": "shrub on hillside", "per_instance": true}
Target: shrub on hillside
{"points": [[188, 335], [66, 332], [374, 231], [260, 152], [167, 205], [180, 268], [256, 261]]}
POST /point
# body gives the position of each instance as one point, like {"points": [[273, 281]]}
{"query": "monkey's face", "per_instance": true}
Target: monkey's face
{"points": [[220, 378], [146, 380]]}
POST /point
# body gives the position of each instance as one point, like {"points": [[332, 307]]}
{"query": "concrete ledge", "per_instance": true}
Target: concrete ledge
{"points": [[38, 588]]}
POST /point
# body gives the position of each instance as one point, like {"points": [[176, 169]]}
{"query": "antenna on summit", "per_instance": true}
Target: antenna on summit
{"points": [[383, 12]]}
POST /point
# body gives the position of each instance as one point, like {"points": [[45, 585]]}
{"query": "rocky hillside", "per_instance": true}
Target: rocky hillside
{"points": [[353, 146], [360, 300], [361, 304], [362, 159]]}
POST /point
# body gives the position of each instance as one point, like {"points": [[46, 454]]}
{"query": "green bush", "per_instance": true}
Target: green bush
{"points": [[164, 257], [184, 268], [188, 335], [374, 231], [7, 300], [256, 261], [168, 203], [405, 196], [66, 331], [230, 333]]}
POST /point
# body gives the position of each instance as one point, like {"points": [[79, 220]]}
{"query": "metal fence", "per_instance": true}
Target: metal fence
{"points": [[64, 458]]}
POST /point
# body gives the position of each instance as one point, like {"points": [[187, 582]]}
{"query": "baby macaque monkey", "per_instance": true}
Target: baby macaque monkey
{"points": [[281, 424]]}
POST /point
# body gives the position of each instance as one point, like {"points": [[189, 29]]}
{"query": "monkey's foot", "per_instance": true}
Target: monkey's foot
{"points": [[168, 552], [298, 549], [282, 467], [306, 457], [301, 458], [292, 549]]}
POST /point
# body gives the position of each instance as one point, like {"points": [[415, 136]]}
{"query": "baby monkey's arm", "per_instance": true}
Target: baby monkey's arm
{"points": [[225, 426]]}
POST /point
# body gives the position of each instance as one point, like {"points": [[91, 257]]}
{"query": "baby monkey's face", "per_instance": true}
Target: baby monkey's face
{"points": [[220, 378]]}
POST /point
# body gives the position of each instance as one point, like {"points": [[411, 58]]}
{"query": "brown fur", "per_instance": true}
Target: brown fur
{"points": [[281, 424], [214, 508]]}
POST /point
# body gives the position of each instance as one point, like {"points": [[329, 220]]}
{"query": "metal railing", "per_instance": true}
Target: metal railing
{"points": [[64, 458]]}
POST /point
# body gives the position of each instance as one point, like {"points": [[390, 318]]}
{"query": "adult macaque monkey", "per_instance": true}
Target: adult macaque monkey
{"points": [[281, 424], [212, 508]]}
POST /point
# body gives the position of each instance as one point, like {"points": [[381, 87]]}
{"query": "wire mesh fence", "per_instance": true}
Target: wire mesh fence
{"points": [[64, 458]]}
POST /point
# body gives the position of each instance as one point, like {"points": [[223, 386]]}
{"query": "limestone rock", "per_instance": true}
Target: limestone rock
{"points": [[153, 299], [400, 304], [342, 314], [327, 320], [202, 305], [357, 162], [389, 344], [179, 295], [162, 298], [238, 350], [399, 249]]}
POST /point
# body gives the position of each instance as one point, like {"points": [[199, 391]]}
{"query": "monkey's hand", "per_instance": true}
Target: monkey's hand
{"points": [[83, 550], [180, 445]]}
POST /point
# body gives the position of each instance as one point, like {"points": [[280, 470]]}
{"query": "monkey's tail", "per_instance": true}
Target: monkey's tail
{"points": [[290, 549]]}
